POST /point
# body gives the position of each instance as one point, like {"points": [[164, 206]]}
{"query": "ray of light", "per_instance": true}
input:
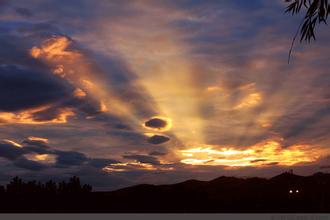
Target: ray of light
{"points": [[163, 70], [74, 67]]}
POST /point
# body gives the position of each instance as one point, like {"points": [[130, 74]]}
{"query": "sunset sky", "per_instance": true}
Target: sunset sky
{"points": [[127, 92]]}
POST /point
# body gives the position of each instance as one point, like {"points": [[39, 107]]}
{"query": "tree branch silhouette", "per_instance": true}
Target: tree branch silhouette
{"points": [[317, 12]]}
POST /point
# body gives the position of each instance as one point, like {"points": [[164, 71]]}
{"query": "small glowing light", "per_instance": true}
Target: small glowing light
{"points": [[291, 191], [297, 191]]}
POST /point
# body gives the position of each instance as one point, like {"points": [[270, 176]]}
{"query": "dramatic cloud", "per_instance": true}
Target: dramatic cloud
{"points": [[262, 154], [29, 164], [34, 153], [10, 150], [70, 158], [158, 139], [151, 98], [22, 88], [156, 153], [101, 163], [143, 159], [156, 123]]}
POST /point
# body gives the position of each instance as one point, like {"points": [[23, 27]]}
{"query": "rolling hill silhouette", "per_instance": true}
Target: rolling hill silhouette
{"points": [[285, 193]]}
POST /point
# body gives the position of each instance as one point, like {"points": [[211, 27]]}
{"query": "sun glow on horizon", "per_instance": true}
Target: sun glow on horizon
{"points": [[124, 167], [262, 154]]}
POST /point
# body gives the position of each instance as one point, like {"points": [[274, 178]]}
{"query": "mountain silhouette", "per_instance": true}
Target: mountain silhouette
{"points": [[284, 193]]}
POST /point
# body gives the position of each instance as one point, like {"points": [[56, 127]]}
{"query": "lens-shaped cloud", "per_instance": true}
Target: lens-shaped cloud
{"points": [[158, 123], [158, 139]]}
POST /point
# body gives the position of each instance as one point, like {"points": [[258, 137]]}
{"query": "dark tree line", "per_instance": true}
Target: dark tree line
{"points": [[18, 186], [284, 193]]}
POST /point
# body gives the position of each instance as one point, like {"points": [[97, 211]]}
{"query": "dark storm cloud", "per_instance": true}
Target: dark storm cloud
{"points": [[26, 82], [143, 159], [121, 127], [156, 123], [20, 37], [23, 88], [70, 158], [131, 137], [157, 153], [64, 159], [35, 143], [10, 151], [29, 164], [101, 162], [158, 139], [113, 122], [36, 146], [16, 46], [37, 149]]}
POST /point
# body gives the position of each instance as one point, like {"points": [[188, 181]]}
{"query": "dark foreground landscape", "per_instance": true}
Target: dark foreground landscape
{"points": [[283, 193]]}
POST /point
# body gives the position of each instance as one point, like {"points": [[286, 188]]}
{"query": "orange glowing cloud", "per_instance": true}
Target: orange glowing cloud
{"points": [[121, 167], [262, 154], [12, 143], [213, 89], [42, 158], [27, 116], [129, 166], [103, 106], [54, 48], [79, 93], [75, 67], [250, 100], [40, 139]]}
